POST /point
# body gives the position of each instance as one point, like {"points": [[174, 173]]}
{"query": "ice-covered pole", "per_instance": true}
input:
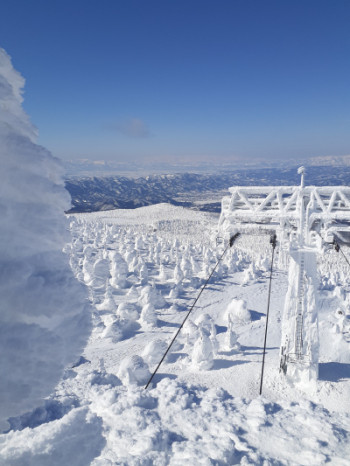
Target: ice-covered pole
{"points": [[301, 171]]}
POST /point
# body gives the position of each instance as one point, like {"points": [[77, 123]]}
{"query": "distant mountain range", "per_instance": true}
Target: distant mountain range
{"points": [[198, 191], [86, 167]]}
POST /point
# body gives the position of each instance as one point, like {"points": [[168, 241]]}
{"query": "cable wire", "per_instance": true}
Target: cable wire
{"points": [[273, 243]]}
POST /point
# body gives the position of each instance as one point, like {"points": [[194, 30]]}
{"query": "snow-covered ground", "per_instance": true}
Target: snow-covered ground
{"points": [[143, 269]]}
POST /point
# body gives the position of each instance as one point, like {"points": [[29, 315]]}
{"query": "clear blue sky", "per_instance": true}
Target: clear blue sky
{"points": [[195, 79]]}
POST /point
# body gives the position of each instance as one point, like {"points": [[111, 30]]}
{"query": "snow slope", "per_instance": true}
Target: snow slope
{"points": [[143, 269]]}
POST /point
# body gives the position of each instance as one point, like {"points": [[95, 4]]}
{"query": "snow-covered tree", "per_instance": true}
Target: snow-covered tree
{"points": [[44, 316], [148, 317], [118, 270], [202, 355]]}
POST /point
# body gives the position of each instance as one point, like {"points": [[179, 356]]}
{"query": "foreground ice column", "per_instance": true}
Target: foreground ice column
{"points": [[299, 344], [45, 318]]}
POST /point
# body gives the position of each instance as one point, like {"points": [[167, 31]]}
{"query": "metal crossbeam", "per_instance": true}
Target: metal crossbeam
{"points": [[272, 203]]}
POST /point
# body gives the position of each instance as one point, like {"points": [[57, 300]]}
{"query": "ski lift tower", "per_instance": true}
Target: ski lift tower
{"points": [[306, 220]]}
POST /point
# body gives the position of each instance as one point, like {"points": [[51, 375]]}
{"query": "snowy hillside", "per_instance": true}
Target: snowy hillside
{"points": [[143, 269]]}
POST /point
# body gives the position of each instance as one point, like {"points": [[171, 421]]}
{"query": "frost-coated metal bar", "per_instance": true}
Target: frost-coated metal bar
{"points": [[232, 240], [273, 242], [300, 309]]}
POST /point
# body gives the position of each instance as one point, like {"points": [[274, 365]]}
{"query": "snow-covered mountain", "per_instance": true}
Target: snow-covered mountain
{"points": [[198, 191], [91, 301]]}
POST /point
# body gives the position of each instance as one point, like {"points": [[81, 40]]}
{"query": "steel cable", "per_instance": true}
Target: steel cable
{"points": [[273, 243]]}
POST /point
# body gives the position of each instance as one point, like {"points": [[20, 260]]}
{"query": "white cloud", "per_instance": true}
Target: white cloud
{"points": [[134, 128]]}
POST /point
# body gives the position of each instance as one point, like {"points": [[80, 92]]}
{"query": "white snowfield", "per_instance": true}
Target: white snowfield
{"points": [[203, 405]]}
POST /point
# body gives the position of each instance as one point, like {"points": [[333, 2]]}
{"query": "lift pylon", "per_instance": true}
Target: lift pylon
{"points": [[306, 220]]}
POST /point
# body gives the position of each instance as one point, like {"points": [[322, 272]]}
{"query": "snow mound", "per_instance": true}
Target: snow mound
{"points": [[133, 370], [114, 330], [76, 437], [127, 311], [154, 351], [237, 312], [180, 424]]}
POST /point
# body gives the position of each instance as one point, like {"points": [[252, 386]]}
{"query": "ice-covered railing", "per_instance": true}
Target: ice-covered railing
{"points": [[270, 204]]}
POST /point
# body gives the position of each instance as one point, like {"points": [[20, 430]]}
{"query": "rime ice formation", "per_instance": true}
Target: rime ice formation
{"points": [[118, 270], [127, 311], [108, 304], [296, 373], [237, 312], [202, 355], [150, 295], [148, 316], [114, 330], [44, 316], [231, 338]]}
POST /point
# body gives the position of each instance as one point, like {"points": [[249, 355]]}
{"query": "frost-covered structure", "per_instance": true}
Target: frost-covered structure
{"points": [[44, 318], [306, 220]]}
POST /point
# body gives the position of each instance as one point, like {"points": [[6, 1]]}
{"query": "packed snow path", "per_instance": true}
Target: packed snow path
{"points": [[143, 269]]}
